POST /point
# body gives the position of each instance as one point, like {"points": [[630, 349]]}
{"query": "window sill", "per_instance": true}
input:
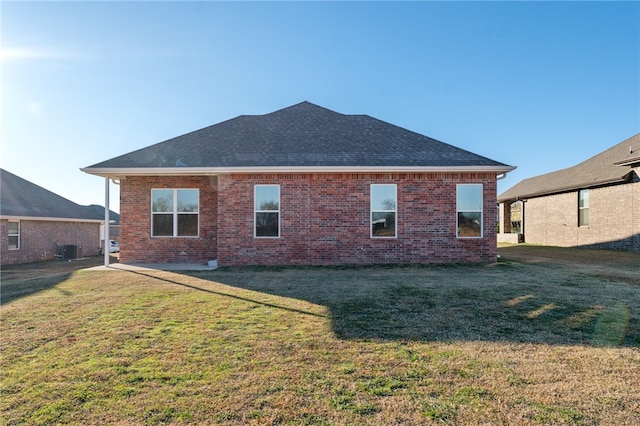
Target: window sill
{"points": [[166, 237]]}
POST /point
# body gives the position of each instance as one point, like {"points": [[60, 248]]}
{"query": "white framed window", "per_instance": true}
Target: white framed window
{"points": [[583, 207], [469, 218], [175, 212], [384, 199], [14, 234], [266, 206]]}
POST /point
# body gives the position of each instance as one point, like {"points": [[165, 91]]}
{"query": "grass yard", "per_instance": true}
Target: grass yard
{"points": [[530, 340]]}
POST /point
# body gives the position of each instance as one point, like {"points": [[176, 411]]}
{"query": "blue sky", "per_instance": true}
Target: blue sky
{"points": [[537, 85]]}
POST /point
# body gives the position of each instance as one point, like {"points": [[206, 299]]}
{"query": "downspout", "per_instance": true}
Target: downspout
{"points": [[522, 224], [500, 218], [106, 221]]}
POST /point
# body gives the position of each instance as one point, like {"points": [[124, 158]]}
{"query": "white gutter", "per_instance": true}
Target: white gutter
{"points": [[212, 171], [49, 219]]}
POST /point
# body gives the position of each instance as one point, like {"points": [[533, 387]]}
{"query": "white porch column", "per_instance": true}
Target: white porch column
{"points": [[106, 221]]}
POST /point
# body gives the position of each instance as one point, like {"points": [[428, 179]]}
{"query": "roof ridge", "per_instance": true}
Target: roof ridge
{"points": [[604, 168], [611, 149], [299, 105]]}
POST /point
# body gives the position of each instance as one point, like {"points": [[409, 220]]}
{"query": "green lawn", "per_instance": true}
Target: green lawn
{"points": [[515, 342]]}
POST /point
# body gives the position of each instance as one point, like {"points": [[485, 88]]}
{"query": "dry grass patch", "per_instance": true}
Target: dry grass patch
{"points": [[509, 343]]}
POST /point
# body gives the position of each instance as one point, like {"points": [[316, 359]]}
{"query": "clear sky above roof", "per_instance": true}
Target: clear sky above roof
{"points": [[537, 85]]}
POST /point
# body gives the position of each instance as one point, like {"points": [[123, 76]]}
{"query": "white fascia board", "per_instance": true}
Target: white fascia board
{"points": [[50, 219], [212, 171], [628, 162], [156, 171]]}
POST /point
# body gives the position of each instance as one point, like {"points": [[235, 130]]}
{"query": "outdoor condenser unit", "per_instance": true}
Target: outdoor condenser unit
{"points": [[72, 251]]}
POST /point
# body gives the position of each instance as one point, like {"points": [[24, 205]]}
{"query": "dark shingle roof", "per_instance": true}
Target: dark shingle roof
{"points": [[21, 198], [608, 167], [303, 135]]}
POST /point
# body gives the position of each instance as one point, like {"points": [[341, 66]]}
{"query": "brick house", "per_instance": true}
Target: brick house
{"points": [[36, 224], [594, 204], [305, 186]]}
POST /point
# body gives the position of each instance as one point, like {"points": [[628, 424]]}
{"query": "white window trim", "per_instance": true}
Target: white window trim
{"points": [[481, 211], [15, 235], [175, 213], [580, 209], [256, 211], [371, 211]]}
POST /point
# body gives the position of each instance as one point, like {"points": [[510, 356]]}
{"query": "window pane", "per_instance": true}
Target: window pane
{"points": [[470, 197], [267, 197], [583, 217], [267, 224], [583, 201], [13, 243], [162, 200], [162, 225], [469, 224], [383, 224], [383, 197], [14, 228], [187, 225], [188, 200]]}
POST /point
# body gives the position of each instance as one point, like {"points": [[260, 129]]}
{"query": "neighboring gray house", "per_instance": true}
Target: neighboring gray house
{"points": [[36, 224], [593, 204]]}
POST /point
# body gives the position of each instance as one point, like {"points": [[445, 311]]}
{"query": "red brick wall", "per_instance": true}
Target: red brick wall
{"points": [[325, 220], [136, 243], [38, 240]]}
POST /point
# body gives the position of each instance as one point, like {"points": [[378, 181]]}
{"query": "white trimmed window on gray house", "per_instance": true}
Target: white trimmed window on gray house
{"points": [[14, 234], [583, 207]]}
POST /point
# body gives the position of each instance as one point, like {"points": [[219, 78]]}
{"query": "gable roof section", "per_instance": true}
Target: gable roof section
{"points": [[303, 137], [608, 167], [20, 198]]}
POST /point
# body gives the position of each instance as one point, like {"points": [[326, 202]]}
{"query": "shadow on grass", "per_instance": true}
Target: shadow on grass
{"points": [[233, 296], [25, 279], [13, 290], [502, 302]]}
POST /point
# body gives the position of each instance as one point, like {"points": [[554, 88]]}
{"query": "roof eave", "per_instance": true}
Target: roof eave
{"points": [[49, 219], [560, 190], [212, 171], [628, 162]]}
